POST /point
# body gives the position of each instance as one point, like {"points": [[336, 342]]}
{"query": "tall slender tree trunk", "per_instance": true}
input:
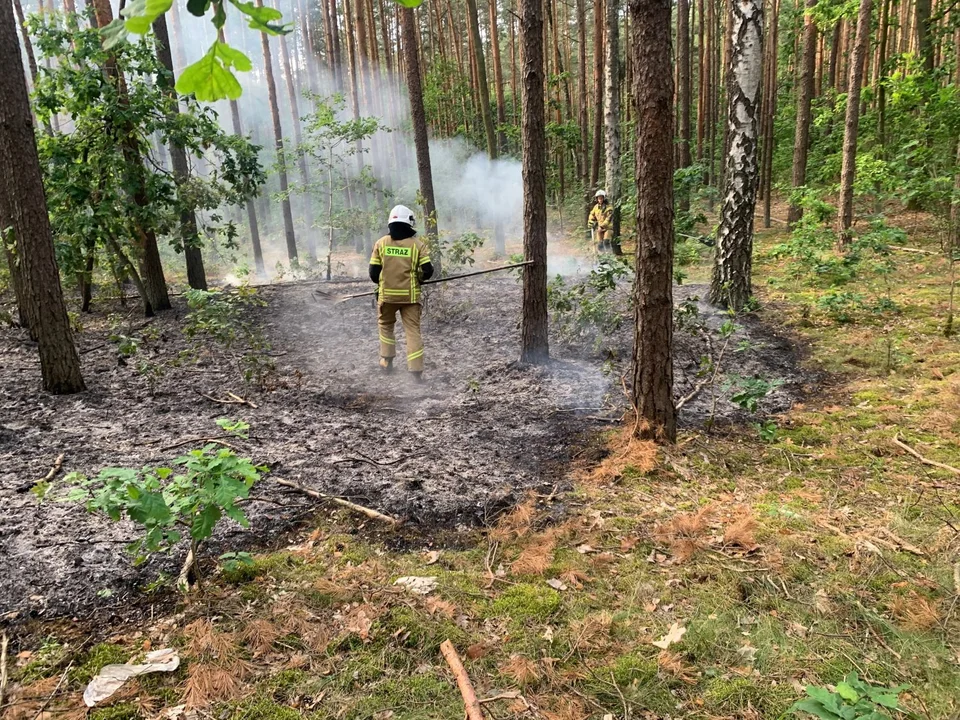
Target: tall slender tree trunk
{"points": [[288, 232], [306, 200], [832, 79], [189, 236], [731, 286], [881, 89], [702, 84], [582, 121], [411, 61], [23, 214], [534, 340], [924, 36], [498, 76], [652, 368], [251, 205], [612, 108], [852, 123], [151, 269], [684, 91], [597, 97], [178, 46], [361, 195], [801, 145]]}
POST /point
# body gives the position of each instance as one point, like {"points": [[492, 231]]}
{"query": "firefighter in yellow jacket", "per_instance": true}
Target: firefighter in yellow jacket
{"points": [[601, 220], [400, 262]]}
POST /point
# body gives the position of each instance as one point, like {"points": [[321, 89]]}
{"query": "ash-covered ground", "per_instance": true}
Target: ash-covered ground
{"points": [[451, 453]]}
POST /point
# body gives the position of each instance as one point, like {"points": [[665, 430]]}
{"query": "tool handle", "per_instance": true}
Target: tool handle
{"points": [[446, 279]]}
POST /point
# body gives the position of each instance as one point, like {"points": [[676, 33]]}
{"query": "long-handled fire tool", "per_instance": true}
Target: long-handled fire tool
{"points": [[344, 298]]}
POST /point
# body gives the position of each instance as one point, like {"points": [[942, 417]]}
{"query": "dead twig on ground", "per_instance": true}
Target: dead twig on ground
{"points": [[470, 702], [488, 561], [57, 464], [232, 400], [51, 696], [3, 667], [370, 513], [370, 461], [926, 461], [512, 695], [183, 579], [215, 440]]}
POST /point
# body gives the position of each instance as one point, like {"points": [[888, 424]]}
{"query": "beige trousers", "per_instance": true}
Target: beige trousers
{"points": [[410, 317]]}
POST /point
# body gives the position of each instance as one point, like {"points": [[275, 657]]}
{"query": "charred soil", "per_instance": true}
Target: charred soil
{"points": [[445, 456]]}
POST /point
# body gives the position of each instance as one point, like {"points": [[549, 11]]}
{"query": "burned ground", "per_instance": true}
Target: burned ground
{"points": [[450, 454]]}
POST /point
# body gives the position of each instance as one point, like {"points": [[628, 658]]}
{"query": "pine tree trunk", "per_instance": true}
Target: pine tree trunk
{"points": [[832, 79], [924, 36], [881, 89], [189, 236], [702, 82], [335, 39], [251, 205], [306, 200], [411, 61], [288, 231], [534, 340], [582, 121], [597, 97], [652, 368], [683, 91], [801, 144], [852, 123], [23, 209], [177, 44], [155, 297], [482, 86], [498, 77], [731, 286], [612, 109]]}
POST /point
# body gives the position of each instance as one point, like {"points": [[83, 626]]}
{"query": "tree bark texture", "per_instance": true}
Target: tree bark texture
{"points": [[684, 91], [597, 98], [498, 76], [23, 213], [731, 286], [801, 145], [652, 367], [288, 232], [287, 70], [189, 237], [151, 269], [411, 61], [852, 124], [612, 119], [534, 340]]}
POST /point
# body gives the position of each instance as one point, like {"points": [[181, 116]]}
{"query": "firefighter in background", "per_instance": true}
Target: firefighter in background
{"points": [[601, 221], [399, 263]]}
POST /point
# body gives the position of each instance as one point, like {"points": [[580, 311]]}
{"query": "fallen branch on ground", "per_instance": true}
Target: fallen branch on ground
{"points": [[370, 513], [926, 461], [512, 695], [3, 668], [183, 579], [47, 702], [470, 702], [233, 400], [57, 464], [912, 250], [370, 461], [216, 440]]}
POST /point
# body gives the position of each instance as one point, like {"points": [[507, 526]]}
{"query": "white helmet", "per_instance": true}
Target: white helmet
{"points": [[402, 214], [601, 193]]}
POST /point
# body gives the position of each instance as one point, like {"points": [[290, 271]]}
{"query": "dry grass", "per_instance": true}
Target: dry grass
{"points": [[516, 523], [259, 635], [740, 533], [522, 670], [537, 556], [208, 683], [684, 533], [626, 451], [204, 640], [915, 612]]}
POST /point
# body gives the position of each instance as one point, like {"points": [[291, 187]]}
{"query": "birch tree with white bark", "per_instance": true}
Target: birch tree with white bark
{"points": [[732, 266]]}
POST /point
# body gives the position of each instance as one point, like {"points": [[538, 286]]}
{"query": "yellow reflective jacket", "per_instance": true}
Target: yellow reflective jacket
{"points": [[601, 216], [401, 261]]}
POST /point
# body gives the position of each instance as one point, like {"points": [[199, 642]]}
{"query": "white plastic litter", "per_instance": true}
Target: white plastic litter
{"points": [[112, 677], [418, 585]]}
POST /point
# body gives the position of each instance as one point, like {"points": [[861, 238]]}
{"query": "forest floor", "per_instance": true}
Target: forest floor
{"points": [[562, 549]]}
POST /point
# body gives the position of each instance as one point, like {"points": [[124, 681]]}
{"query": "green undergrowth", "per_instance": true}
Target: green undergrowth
{"points": [[764, 565]]}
